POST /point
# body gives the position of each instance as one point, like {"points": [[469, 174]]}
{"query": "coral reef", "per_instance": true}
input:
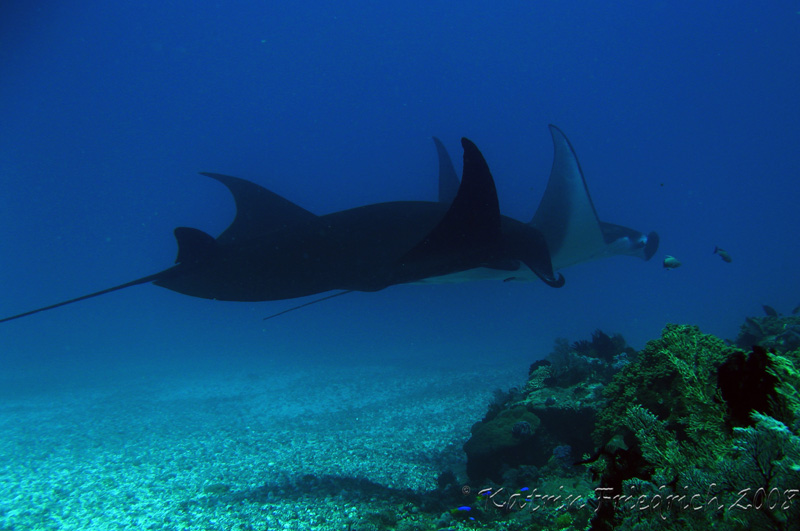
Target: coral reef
{"points": [[545, 427], [766, 457], [773, 332], [504, 441], [675, 378], [691, 432], [603, 347], [718, 429]]}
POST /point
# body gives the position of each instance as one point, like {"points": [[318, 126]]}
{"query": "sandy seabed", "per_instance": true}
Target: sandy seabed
{"points": [[313, 447]]}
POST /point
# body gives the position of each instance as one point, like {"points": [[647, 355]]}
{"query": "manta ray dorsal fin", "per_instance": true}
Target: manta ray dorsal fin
{"points": [[473, 220], [448, 179], [566, 214], [194, 245], [258, 210]]}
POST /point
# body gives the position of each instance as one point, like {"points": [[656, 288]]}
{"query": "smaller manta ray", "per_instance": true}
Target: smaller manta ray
{"points": [[275, 249], [566, 216]]}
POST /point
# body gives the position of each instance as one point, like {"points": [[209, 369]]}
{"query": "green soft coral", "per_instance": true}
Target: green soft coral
{"points": [[659, 445], [786, 407], [675, 379], [765, 457], [669, 402]]}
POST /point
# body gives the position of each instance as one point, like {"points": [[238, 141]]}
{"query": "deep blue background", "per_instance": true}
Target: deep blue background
{"points": [[685, 116]]}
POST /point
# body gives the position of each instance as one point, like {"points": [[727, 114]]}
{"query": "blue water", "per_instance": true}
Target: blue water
{"points": [[686, 120]]}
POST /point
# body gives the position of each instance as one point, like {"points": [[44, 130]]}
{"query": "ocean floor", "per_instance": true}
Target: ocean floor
{"points": [[258, 446]]}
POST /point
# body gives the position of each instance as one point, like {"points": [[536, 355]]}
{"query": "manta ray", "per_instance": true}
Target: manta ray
{"points": [[275, 249], [566, 216]]}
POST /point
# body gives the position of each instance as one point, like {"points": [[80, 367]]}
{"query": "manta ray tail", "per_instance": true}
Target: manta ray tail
{"points": [[136, 282]]}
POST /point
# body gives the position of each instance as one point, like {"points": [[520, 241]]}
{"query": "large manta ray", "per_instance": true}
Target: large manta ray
{"points": [[275, 249]]}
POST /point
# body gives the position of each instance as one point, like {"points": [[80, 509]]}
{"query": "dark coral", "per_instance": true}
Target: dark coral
{"points": [[536, 364], [747, 383], [585, 361], [619, 464], [603, 347], [500, 399]]}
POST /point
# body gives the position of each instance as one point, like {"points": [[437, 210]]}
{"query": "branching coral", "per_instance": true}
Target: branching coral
{"points": [[781, 333], [749, 476], [764, 455], [674, 378], [585, 361], [711, 431], [786, 405], [751, 482], [659, 445]]}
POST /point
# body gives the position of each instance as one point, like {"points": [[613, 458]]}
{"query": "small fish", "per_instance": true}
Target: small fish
{"points": [[723, 254], [670, 262], [755, 327], [769, 310], [462, 512]]}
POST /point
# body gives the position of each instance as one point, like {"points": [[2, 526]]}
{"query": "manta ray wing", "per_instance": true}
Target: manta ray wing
{"points": [[566, 213], [473, 219], [257, 210], [569, 221], [276, 250], [448, 178]]}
